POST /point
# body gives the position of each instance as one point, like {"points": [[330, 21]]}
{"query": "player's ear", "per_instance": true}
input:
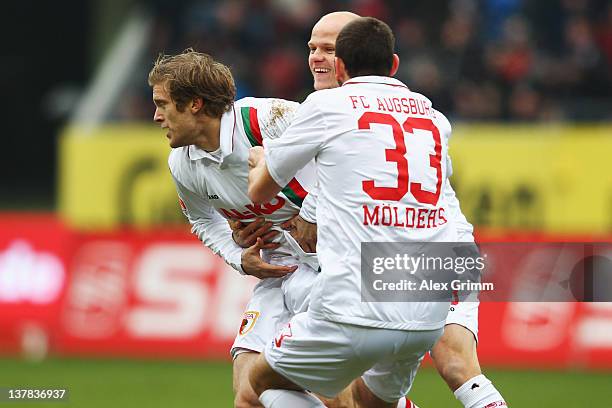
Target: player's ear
{"points": [[341, 75], [196, 105], [394, 65]]}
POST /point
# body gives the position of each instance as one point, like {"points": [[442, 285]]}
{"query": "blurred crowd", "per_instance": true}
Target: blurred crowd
{"points": [[517, 60]]}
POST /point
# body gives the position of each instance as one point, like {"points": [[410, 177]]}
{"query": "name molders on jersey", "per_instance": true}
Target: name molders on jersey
{"points": [[407, 217]]}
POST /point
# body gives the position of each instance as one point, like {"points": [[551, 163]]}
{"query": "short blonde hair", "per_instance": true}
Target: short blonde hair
{"points": [[191, 75]]}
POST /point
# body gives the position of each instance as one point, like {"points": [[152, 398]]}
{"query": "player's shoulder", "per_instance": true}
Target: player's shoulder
{"points": [[324, 100], [183, 169], [266, 104], [265, 118], [441, 120], [178, 161], [325, 95]]}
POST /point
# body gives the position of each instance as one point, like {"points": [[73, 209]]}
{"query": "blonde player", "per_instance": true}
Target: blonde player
{"points": [[210, 135]]}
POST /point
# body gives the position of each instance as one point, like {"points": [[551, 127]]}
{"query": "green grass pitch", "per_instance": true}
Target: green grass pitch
{"points": [[134, 383]]}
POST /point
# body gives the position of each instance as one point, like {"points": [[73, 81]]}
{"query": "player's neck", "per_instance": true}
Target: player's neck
{"points": [[209, 137]]}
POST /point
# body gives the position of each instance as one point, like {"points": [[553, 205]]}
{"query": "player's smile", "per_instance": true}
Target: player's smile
{"points": [[321, 71]]}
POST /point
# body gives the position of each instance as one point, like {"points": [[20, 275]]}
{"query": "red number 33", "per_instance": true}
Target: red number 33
{"points": [[398, 155]]}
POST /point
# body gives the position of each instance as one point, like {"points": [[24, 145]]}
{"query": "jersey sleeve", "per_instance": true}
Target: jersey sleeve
{"points": [[276, 118], [445, 131], [464, 228], [209, 226], [300, 143]]}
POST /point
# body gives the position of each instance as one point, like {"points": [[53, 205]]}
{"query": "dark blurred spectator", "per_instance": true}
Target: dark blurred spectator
{"points": [[604, 35], [477, 101], [476, 59], [281, 73]]}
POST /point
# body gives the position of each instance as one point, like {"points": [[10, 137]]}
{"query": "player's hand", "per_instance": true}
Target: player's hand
{"points": [[304, 232], [256, 156], [253, 265], [245, 235]]}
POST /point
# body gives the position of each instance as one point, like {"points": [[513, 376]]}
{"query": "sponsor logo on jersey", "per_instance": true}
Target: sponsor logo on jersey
{"points": [[285, 332], [254, 210], [248, 321], [213, 197]]}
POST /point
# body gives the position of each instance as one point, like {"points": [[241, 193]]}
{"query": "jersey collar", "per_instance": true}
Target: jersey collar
{"points": [[226, 140], [372, 79]]}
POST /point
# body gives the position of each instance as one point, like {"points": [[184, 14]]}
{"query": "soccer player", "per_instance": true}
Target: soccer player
{"points": [[210, 135], [358, 143], [454, 355]]}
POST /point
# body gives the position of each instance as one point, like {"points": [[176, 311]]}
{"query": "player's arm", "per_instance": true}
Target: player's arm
{"points": [[209, 226], [285, 156], [273, 117], [303, 231], [464, 228], [214, 232], [302, 227], [262, 187], [246, 234]]}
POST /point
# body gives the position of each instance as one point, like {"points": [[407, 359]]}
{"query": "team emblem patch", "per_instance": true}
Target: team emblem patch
{"points": [[248, 321]]}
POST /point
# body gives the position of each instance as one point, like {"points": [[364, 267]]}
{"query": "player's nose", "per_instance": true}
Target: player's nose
{"points": [[317, 55], [157, 116]]}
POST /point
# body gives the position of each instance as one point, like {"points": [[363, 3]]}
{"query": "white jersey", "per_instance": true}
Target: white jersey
{"points": [[212, 187], [381, 153]]}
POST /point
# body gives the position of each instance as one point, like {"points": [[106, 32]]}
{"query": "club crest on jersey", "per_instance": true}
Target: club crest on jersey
{"points": [[284, 333], [248, 321]]}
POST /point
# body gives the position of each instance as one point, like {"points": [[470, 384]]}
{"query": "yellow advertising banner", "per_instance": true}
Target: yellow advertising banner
{"points": [[116, 176], [550, 178], [535, 177]]}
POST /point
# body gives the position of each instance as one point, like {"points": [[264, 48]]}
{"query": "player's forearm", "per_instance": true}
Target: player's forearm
{"points": [[262, 187], [209, 226], [217, 236], [454, 211]]}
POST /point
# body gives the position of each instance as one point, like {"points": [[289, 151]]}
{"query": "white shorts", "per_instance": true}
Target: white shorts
{"points": [[465, 314], [272, 304], [324, 357], [264, 315]]}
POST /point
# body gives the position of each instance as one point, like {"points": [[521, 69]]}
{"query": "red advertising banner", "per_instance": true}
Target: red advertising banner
{"points": [[34, 250], [150, 294], [162, 294]]}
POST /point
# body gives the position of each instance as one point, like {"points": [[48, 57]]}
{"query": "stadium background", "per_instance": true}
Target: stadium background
{"points": [[103, 290]]}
